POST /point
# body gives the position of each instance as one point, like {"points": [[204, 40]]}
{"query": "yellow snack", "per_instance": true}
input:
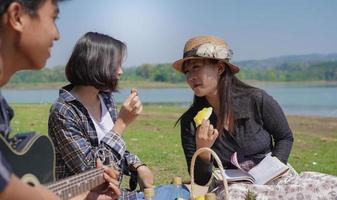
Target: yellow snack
{"points": [[205, 113], [202, 197]]}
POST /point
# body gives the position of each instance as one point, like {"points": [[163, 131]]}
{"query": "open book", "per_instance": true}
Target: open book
{"points": [[268, 169]]}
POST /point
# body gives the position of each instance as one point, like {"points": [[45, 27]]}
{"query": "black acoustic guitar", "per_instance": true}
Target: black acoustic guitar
{"points": [[35, 164]]}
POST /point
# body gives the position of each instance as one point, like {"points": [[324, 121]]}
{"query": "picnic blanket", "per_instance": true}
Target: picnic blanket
{"points": [[303, 186]]}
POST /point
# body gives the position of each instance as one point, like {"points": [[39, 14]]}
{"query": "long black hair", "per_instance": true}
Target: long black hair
{"points": [[95, 60]]}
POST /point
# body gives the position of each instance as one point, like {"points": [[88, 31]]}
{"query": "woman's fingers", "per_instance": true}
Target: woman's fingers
{"points": [[137, 106], [210, 130], [116, 191], [130, 98], [139, 109], [206, 131], [99, 163], [214, 135], [134, 101], [203, 129], [134, 104]]}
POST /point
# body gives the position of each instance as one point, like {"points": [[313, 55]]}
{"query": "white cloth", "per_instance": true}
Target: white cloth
{"points": [[105, 124]]}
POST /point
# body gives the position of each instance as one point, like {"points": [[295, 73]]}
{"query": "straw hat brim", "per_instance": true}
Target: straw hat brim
{"points": [[179, 64]]}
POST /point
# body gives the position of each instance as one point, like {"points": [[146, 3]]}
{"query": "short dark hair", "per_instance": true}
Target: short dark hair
{"points": [[31, 6], [94, 61]]}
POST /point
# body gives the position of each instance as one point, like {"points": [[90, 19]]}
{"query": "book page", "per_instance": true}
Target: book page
{"points": [[235, 162], [233, 175], [269, 168]]}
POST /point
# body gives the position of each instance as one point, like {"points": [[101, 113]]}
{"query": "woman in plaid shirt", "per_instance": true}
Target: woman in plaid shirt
{"points": [[84, 123]]}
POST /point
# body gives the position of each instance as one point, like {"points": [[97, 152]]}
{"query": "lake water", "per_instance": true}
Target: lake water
{"points": [[299, 100]]}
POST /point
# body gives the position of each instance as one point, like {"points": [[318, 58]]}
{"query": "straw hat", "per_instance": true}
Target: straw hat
{"points": [[207, 46]]}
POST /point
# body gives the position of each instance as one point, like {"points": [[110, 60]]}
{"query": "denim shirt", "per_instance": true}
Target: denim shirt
{"points": [[74, 136], [260, 127]]}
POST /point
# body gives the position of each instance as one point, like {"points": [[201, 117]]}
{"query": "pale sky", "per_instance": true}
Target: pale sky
{"points": [[155, 31]]}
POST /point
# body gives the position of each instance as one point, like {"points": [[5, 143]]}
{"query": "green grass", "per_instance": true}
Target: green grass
{"points": [[155, 140]]}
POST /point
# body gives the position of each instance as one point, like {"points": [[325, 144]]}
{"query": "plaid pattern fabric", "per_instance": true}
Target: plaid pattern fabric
{"points": [[129, 195], [74, 136]]}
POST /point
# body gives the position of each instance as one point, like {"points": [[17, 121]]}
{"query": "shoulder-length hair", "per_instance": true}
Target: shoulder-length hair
{"points": [[95, 60], [228, 83]]}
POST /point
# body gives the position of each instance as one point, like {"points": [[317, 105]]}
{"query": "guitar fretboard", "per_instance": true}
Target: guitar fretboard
{"points": [[77, 184]]}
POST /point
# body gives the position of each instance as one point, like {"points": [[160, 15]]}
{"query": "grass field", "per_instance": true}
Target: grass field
{"points": [[155, 140]]}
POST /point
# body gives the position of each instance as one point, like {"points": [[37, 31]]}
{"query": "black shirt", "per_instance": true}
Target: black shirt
{"points": [[260, 127], [5, 173]]}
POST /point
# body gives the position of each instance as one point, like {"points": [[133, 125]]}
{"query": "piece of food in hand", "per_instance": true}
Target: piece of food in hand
{"points": [[205, 113], [134, 90]]}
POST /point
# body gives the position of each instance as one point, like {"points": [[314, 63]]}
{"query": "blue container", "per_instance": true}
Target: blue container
{"points": [[168, 192]]}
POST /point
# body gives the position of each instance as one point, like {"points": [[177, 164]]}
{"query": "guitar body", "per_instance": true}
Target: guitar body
{"points": [[35, 162]]}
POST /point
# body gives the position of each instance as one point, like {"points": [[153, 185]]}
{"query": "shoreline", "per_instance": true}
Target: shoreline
{"points": [[152, 84], [180, 105], [312, 117]]}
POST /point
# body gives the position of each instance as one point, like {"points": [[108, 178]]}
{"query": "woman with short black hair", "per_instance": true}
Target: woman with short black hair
{"points": [[83, 123]]}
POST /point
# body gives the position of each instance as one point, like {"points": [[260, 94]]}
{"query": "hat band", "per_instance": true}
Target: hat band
{"points": [[209, 50], [191, 53]]}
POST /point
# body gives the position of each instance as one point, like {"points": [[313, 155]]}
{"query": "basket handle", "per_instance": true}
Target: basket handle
{"points": [[217, 159]]}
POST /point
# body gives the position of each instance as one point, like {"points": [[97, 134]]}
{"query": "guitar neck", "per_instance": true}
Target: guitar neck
{"points": [[77, 184]]}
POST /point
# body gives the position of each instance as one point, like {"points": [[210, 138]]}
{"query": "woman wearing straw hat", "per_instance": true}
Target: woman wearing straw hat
{"points": [[245, 119]]}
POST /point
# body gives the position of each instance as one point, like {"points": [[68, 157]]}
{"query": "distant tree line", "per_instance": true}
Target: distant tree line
{"points": [[288, 71], [47, 75], [150, 72], [292, 71]]}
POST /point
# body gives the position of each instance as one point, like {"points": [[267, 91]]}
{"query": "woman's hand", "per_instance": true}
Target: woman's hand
{"points": [[145, 177], [205, 137], [129, 111]]}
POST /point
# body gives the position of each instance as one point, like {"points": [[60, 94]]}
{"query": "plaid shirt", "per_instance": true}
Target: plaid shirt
{"points": [[75, 139]]}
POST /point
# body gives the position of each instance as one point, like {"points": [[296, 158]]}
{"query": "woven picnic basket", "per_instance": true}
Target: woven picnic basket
{"points": [[224, 192]]}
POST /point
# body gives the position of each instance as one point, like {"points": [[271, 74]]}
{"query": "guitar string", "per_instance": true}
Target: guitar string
{"points": [[79, 187], [77, 179], [72, 179]]}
